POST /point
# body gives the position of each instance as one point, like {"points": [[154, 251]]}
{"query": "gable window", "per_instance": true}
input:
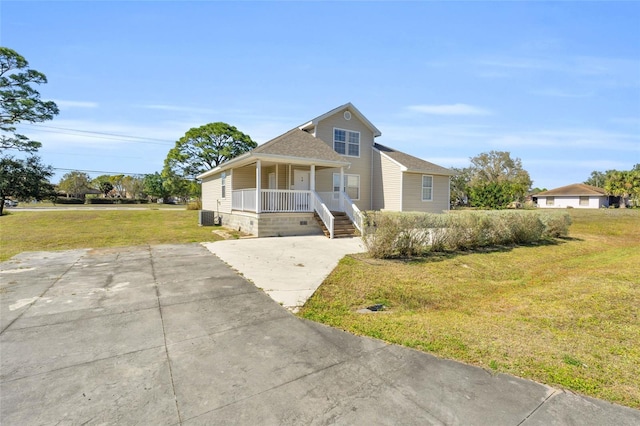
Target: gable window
{"points": [[427, 188], [223, 183], [351, 186], [346, 142], [584, 200], [550, 201]]}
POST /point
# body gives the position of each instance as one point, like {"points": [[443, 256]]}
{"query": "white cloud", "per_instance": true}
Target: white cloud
{"points": [[451, 109], [75, 104]]}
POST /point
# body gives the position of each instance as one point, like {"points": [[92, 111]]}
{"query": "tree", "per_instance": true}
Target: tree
{"points": [[623, 184], [154, 186], [103, 183], [134, 186], [460, 187], [203, 148], [496, 180], [24, 179], [20, 102], [597, 179], [75, 184]]}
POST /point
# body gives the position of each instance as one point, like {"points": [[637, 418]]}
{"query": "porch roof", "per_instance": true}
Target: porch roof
{"points": [[295, 146]]}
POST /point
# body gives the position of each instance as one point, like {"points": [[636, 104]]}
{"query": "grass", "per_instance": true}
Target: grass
{"points": [[71, 229], [566, 314]]}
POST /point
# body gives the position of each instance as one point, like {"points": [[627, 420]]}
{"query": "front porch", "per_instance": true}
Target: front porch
{"points": [[264, 188], [281, 209]]}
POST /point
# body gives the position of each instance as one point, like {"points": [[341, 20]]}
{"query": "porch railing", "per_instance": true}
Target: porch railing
{"points": [[323, 211], [353, 212], [285, 201], [244, 200], [272, 201]]}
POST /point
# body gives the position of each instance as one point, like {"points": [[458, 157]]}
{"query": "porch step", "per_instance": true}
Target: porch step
{"points": [[342, 225]]}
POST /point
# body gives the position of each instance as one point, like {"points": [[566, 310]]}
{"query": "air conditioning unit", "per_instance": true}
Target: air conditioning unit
{"points": [[206, 218]]}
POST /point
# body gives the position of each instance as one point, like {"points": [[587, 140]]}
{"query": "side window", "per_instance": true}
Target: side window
{"points": [[427, 188], [223, 182]]}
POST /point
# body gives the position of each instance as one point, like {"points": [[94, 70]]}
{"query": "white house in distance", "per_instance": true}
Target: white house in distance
{"points": [[578, 195], [319, 177]]}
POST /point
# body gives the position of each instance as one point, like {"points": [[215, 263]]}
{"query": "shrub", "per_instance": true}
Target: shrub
{"points": [[100, 201], [555, 224], [409, 234], [65, 200], [194, 205]]}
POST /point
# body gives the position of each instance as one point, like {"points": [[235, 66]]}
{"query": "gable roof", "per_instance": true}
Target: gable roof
{"points": [[300, 144], [352, 109], [574, 189], [295, 145], [411, 163]]}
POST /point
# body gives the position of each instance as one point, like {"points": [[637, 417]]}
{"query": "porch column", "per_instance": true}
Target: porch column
{"points": [[258, 175], [341, 189], [312, 184]]}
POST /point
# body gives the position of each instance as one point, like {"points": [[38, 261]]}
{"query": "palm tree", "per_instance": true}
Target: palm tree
{"points": [[623, 184]]}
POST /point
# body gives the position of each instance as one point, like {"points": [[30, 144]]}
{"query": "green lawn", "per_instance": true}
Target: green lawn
{"points": [[565, 314], [70, 229]]}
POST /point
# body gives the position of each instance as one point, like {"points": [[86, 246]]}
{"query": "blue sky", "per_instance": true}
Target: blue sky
{"points": [[557, 84]]}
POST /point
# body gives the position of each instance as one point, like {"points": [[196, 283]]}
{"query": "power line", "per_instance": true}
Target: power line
{"points": [[100, 135], [99, 171]]}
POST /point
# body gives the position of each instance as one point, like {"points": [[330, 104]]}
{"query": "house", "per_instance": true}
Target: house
{"points": [[578, 195], [324, 171]]}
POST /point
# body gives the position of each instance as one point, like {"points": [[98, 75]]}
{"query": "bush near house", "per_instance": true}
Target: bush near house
{"points": [[392, 235]]}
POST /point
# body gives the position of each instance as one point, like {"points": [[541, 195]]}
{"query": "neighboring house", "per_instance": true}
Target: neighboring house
{"points": [[325, 167], [578, 195]]}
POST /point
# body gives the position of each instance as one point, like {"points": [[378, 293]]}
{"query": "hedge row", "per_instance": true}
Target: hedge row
{"points": [[410, 234], [116, 201]]}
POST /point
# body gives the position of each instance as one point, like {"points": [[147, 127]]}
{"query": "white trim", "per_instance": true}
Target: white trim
{"points": [[403, 168], [251, 157], [343, 187], [314, 122], [346, 143], [422, 188]]}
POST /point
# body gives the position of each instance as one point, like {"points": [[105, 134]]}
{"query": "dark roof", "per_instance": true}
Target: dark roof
{"points": [[413, 164], [574, 189], [300, 144]]}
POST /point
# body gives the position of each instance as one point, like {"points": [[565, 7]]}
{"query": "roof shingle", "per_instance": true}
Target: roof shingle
{"points": [[573, 189], [413, 164]]}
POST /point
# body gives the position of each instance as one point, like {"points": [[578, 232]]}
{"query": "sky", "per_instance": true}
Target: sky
{"points": [[556, 84]]}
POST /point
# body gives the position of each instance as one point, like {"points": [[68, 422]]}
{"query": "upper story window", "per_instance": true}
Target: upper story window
{"points": [[346, 142]]}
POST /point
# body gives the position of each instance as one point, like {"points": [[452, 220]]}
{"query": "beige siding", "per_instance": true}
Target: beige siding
{"points": [[359, 165], [212, 193], [412, 194], [387, 183], [244, 177]]}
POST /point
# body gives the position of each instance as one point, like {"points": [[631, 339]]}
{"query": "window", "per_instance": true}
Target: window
{"points": [[550, 201], [223, 182], [584, 200], [427, 188], [346, 142], [351, 186]]}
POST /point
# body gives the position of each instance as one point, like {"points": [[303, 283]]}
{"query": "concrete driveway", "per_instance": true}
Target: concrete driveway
{"points": [[289, 269], [170, 335]]}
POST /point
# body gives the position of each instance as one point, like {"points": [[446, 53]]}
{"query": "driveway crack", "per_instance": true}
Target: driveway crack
{"points": [[164, 334]]}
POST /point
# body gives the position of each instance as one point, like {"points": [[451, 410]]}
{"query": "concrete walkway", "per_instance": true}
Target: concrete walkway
{"points": [[289, 269], [170, 335]]}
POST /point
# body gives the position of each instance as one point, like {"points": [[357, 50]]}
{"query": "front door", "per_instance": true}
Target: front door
{"points": [[301, 182], [301, 179]]}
